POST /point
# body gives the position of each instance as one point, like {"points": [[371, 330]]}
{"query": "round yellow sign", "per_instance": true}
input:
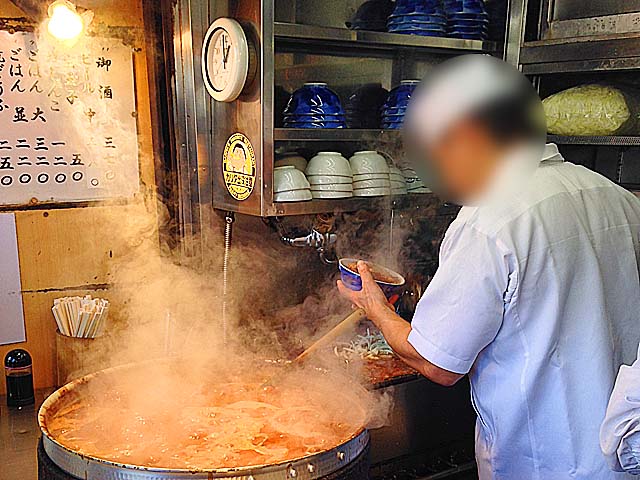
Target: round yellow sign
{"points": [[239, 166]]}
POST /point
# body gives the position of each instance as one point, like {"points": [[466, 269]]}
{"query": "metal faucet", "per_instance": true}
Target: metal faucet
{"points": [[320, 241]]}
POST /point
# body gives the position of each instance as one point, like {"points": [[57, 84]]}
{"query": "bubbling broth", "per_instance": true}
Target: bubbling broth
{"points": [[180, 424]]}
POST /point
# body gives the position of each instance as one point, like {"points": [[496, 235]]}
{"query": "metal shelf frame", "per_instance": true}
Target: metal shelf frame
{"points": [[617, 141], [291, 36], [336, 135], [396, 202]]}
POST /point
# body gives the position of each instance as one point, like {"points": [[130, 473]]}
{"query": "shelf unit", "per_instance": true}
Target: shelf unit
{"points": [[615, 141], [396, 202], [335, 135], [290, 48], [305, 37]]}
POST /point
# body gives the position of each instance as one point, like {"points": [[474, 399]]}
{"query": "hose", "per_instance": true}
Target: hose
{"points": [[228, 231]]}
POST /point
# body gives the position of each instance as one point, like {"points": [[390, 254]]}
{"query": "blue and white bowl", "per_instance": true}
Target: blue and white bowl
{"points": [[314, 99], [407, 7], [400, 96], [351, 278], [315, 125]]}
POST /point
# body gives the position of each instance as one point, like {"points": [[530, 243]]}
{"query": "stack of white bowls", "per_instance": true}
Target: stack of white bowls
{"points": [[291, 159], [413, 181], [290, 185], [329, 175], [398, 184], [370, 174]]}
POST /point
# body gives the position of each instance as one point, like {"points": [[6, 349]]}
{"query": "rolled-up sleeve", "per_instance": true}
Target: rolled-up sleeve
{"points": [[463, 306], [620, 430]]}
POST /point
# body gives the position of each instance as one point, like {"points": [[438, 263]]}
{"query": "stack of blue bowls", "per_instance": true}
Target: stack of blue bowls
{"points": [[395, 107], [418, 17], [467, 19], [314, 106]]}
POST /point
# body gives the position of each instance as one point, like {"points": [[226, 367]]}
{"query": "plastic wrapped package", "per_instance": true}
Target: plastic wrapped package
{"points": [[593, 110]]}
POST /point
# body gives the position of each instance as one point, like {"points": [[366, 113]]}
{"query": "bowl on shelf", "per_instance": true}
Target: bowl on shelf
{"points": [[467, 19], [322, 194], [314, 98], [372, 192], [418, 17], [291, 159], [342, 124], [329, 163], [362, 108], [395, 106], [332, 187], [388, 280], [421, 7], [289, 178], [367, 162], [371, 15], [370, 176], [329, 180], [372, 183], [293, 196]]}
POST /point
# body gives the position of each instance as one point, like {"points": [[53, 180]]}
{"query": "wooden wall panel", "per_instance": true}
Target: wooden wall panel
{"points": [[73, 251]]}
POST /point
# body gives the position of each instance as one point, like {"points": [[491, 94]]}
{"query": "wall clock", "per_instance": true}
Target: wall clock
{"points": [[227, 58]]}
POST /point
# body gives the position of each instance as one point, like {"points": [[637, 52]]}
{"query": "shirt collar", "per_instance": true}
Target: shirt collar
{"points": [[552, 154]]}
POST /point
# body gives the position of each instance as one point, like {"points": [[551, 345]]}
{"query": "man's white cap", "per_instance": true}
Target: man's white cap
{"points": [[457, 88]]}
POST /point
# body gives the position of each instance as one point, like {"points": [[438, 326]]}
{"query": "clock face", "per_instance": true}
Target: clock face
{"points": [[225, 59]]}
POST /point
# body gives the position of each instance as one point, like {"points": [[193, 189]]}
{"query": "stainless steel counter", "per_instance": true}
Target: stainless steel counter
{"points": [[19, 435]]}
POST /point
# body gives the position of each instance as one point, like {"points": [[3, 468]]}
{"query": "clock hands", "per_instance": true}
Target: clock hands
{"points": [[225, 51]]}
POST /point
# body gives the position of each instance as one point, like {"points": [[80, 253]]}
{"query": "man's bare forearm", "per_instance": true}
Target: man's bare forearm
{"points": [[396, 330]]}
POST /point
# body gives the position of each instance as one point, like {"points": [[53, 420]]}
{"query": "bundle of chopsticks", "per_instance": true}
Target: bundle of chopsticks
{"points": [[82, 317]]}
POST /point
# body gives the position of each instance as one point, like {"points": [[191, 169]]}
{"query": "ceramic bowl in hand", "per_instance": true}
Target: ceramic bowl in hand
{"points": [[388, 280], [328, 163], [368, 161], [288, 178], [314, 98]]}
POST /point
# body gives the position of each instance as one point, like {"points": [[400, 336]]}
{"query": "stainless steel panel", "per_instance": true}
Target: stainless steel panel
{"points": [[569, 9], [425, 416]]}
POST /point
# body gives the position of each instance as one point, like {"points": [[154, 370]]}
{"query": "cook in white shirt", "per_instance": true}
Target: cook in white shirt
{"points": [[537, 295]]}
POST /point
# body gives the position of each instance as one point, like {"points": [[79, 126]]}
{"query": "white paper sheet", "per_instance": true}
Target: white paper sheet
{"points": [[11, 314], [68, 120]]}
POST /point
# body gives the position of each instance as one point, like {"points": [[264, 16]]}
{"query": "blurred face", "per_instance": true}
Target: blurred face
{"points": [[465, 158]]}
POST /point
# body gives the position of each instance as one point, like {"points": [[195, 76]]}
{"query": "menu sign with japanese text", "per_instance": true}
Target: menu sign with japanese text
{"points": [[68, 121]]}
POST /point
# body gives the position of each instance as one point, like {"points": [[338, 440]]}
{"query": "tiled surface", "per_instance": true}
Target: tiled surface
{"points": [[19, 435]]}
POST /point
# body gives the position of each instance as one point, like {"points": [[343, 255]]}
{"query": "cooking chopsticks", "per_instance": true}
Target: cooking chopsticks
{"points": [[81, 317]]}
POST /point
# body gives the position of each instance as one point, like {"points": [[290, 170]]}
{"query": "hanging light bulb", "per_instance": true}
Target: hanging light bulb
{"points": [[65, 23]]}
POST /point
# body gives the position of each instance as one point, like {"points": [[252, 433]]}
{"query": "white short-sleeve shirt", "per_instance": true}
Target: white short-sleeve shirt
{"points": [[538, 299]]}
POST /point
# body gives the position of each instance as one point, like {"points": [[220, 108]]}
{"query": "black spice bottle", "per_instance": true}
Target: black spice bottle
{"points": [[18, 371]]}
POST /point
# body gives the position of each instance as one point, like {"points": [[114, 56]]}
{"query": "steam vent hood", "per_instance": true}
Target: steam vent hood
{"points": [[236, 63]]}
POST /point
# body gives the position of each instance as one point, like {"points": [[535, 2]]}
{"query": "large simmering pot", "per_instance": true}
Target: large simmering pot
{"points": [[62, 454]]}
